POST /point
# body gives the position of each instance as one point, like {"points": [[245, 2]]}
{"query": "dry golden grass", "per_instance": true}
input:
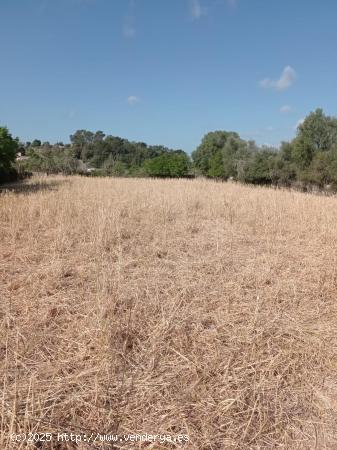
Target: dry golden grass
{"points": [[172, 307]]}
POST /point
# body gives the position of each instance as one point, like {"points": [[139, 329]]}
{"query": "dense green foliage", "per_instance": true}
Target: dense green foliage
{"points": [[8, 149], [117, 156], [173, 165], [52, 159], [97, 155], [225, 155], [310, 159]]}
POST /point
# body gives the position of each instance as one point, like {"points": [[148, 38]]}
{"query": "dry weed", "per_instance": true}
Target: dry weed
{"points": [[171, 307]]}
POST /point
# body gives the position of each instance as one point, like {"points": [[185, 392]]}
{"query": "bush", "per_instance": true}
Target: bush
{"points": [[168, 165], [8, 149], [259, 168], [7, 176], [53, 160]]}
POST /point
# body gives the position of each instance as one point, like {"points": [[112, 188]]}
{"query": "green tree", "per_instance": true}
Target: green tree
{"points": [[283, 170], [259, 167], [216, 165], [113, 167], [83, 142], [318, 172], [172, 164], [52, 159], [220, 154], [179, 164], [8, 149], [211, 144], [36, 143], [317, 133], [157, 167]]}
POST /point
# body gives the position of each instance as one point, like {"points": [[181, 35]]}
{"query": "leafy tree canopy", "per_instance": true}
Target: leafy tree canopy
{"points": [[8, 149]]}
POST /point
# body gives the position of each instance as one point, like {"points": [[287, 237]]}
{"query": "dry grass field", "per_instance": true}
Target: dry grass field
{"points": [[168, 307]]}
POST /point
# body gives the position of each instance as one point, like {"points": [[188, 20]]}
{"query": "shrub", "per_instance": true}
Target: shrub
{"points": [[174, 165], [8, 149]]}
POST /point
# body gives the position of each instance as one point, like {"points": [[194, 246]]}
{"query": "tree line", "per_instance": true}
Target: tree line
{"points": [[310, 159], [94, 153]]}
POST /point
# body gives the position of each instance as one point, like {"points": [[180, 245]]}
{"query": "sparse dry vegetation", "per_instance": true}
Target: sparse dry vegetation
{"points": [[169, 306]]}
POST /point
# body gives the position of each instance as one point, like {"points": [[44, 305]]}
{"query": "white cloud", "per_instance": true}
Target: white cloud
{"points": [[285, 109], [286, 79], [133, 99], [196, 9]]}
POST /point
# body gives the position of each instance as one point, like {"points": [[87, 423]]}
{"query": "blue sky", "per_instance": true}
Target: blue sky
{"points": [[166, 71]]}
